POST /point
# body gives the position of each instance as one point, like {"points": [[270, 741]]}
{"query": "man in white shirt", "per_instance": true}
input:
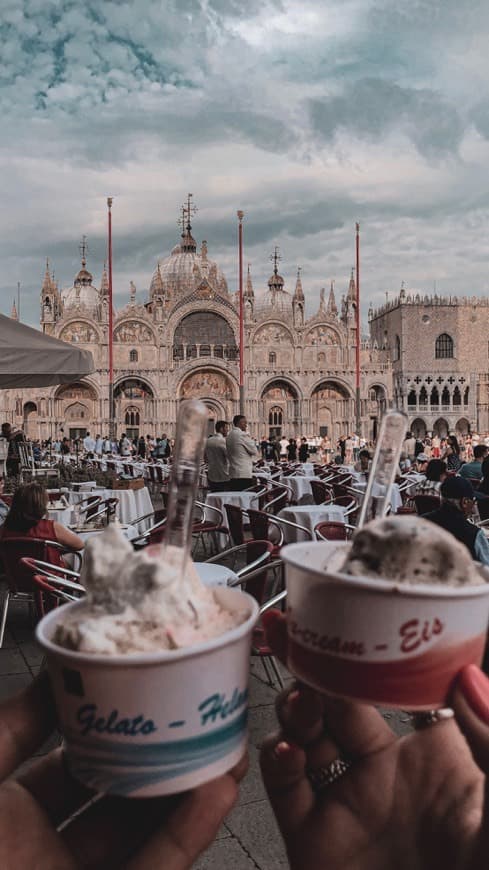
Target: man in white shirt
{"points": [[89, 443], [284, 443], [99, 445], [216, 456], [125, 445], [242, 453]]}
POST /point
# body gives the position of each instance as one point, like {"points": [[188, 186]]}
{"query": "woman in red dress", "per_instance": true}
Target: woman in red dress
{"points": [[26, 519]]}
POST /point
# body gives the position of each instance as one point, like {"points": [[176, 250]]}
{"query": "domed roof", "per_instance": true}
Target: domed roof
{"points": [[83, 292], [276, 300], [185, 269]]}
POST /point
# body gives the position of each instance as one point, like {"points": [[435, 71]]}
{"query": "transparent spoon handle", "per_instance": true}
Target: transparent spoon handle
{"points": [[184, 476], [384, 466]]}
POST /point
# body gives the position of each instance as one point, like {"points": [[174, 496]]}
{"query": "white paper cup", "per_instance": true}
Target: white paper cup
{"points": [[154, 723], [376, 641]]}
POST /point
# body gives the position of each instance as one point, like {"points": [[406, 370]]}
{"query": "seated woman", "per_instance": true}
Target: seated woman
{"points": [[436, 472], [27, 519]]}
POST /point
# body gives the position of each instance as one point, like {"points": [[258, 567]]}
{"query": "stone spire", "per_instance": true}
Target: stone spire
{"points": [[47, 284], [298, 301], [13, 314], [298, 292], [332, 308], [352, 290], [248, 296], [249, 293], [104, 284], [132, 293]]}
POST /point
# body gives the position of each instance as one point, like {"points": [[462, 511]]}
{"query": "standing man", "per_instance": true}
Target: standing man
{"points": [[216, 456], [89, 443], [241, 454]]}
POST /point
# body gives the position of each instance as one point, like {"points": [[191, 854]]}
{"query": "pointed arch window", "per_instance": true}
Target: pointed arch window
{"points": [[133, 356], [435, 396], [466, 396], [423, 396], [457, 396], [445, 396], [444, 346], [412, 397]]}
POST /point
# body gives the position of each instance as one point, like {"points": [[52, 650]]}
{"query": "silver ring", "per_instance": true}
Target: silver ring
{"points": [[431, 717], [321, 777]]}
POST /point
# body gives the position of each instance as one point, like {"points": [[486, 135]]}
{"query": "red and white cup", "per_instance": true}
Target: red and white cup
{"points": [[158, 723], [378, 641]]}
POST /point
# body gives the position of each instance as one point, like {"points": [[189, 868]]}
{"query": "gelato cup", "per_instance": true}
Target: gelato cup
{"points": [[375, 640], [153, 723]]}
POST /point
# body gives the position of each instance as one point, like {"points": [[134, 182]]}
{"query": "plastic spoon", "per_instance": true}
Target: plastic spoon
{"points": [[384, 465], [183, 483]]}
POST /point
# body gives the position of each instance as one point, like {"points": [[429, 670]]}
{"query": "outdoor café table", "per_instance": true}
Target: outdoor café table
{"points": [[214, 575], [60, 515], [309, 516], [128, 531], [242, 499], [133, 503], [299, 485], [306, 468], [378, 489]]}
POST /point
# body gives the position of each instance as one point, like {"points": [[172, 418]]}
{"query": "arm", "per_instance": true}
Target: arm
{"points": [[67, 537], [249, 445]]}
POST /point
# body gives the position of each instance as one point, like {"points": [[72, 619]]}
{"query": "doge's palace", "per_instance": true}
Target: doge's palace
{"points": [[183, 342]]}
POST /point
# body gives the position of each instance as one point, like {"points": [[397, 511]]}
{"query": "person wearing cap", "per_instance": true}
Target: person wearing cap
{"points": [[457, 505], [473, 470]]}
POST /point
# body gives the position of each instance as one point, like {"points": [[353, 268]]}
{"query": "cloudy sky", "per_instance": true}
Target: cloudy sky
{"points": [[307, 114]]}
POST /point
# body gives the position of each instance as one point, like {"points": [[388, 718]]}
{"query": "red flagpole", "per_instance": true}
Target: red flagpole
{"points": [[241, 313], [112, 426], [357, 317]]}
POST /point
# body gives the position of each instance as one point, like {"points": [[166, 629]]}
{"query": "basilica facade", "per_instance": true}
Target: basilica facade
{"points": [[183, 341]]}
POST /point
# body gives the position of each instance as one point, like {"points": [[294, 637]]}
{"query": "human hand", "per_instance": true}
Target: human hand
{"points": [[417, 802], [112, 832]]}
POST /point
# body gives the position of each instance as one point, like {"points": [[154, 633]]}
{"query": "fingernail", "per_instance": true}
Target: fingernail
{"points": [[283, 749], [474, 686]]}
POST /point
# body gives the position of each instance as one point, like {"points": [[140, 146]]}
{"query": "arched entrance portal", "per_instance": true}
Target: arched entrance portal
{"points": [[331, 410], [440, 428], [418, 428], [132, 414], [31, 421], [462, 426], [75, 404], [215, 389], [280, 408]]}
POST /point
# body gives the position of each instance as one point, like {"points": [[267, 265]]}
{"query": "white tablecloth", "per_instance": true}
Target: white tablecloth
{"points": [[133, 503], [300, 486], [396, 498], [128, 531], [243, 500], [60, 515], [309, 516], [214, 575], [306, 468]]}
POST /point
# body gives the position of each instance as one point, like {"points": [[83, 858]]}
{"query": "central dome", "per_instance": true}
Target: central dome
{"points": [[83, 292], [185, 269]]}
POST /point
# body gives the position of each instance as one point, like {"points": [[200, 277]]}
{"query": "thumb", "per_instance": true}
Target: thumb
{"points": [[283, 767], [470, 701]]}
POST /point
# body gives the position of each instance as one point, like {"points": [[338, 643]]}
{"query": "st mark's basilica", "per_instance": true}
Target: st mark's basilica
{"points": [[299, 371]]}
